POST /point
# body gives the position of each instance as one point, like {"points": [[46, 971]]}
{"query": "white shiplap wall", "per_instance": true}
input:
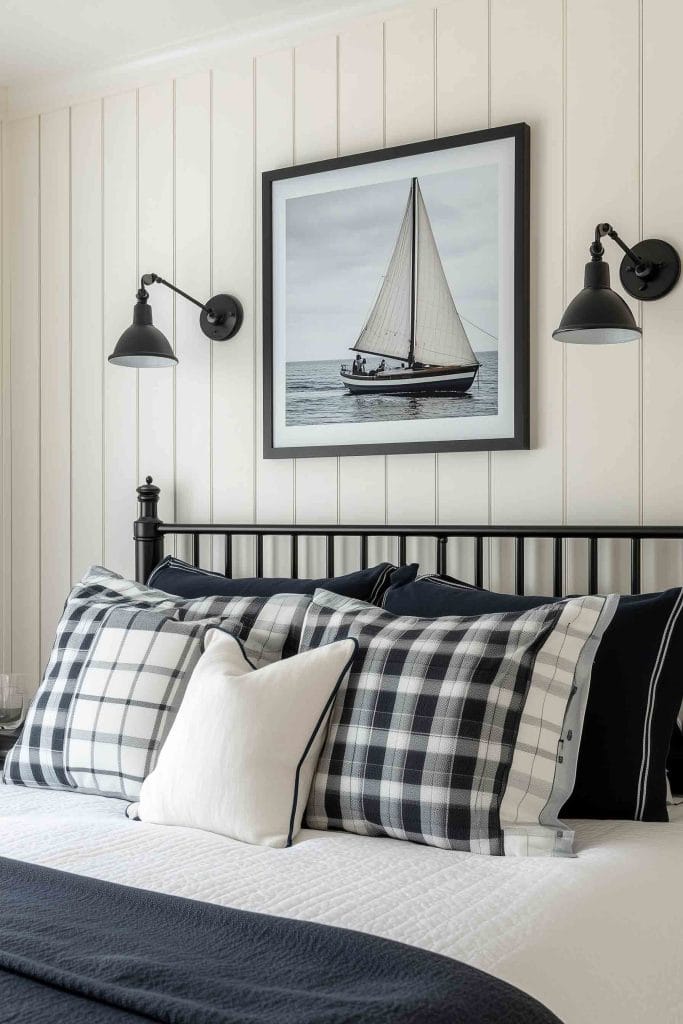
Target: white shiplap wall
{"points": [[166, 178]]}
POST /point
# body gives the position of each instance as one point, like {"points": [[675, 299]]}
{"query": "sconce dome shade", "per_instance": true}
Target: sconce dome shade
{"points": [[597, 315], [142, 344]]}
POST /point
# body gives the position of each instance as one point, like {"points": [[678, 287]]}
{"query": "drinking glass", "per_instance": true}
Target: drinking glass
{"points": [[12, 700]]}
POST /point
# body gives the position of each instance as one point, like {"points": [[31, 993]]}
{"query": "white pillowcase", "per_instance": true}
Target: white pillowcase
{"points": [[240, 756]]}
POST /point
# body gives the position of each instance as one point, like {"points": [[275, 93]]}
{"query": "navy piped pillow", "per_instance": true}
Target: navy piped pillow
{"points": [[183, 580], [635, 694], [675, 763]]}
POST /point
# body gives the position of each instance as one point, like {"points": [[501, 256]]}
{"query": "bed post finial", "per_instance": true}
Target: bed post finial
{"points": [[149, 542]]}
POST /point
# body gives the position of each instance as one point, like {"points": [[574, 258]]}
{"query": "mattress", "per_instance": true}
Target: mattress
{"points": [[597, 938]]}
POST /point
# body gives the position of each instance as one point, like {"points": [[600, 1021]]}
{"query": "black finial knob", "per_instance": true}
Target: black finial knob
{"points": [[148, 479]]}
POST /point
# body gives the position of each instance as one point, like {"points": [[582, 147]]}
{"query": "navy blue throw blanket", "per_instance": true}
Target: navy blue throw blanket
{"points": [[82, 951]]}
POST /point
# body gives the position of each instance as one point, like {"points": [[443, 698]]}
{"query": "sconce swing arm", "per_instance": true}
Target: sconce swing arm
{"points": [[220, 318], [649, 270]]}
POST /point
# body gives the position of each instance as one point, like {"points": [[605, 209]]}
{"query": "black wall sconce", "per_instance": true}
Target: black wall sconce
{"points": [[597, 315], [143, 345]]}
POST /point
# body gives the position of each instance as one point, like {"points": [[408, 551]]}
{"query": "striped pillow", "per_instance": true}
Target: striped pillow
{"points": [[85, 670], [456, 732]]}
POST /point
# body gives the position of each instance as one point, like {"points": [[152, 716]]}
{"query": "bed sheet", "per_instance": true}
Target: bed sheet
{"points": [[596, 938]]}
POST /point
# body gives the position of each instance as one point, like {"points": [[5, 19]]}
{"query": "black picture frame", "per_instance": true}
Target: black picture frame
{"points": [[519, 439]]}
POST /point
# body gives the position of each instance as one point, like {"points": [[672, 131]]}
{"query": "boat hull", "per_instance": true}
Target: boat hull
{"points": [[458, 379]]}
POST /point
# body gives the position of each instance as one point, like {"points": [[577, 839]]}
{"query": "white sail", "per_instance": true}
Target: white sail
{"points": [[440, 338], [388, 328]]}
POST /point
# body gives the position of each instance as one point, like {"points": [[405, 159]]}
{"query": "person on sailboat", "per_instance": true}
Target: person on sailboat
{"points": [[382, 367], [356, 364]]}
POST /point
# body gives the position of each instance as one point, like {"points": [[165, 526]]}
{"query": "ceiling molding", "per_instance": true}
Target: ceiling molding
{"points": [[42, 94]]}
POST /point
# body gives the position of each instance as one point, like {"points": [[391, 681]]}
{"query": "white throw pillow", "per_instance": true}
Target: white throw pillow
{"points": [[240, 756]]}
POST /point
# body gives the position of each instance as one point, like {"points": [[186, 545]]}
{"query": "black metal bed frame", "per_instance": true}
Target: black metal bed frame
{"points": [[150, 531]]}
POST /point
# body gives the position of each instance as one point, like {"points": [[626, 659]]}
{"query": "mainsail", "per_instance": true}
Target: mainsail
{"points": [[414, 317], [388, 328]]}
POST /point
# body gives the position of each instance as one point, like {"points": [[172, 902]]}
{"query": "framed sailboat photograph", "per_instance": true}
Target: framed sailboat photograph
{"points": [[396, 299]]}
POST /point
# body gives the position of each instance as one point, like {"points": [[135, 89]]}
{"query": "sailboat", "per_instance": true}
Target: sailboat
{"points": [[414, 319]]}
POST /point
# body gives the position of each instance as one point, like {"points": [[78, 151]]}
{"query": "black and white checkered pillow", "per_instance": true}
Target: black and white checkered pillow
{"points": [[82, 670], [126, 698], [455, 732]]}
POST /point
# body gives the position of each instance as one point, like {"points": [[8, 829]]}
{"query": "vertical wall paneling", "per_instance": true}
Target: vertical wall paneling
{"points": [[603, 381], [87, 340], [362, 479], [168, 180], [527, 486], [232, 425], [5, 407], [156, 387], [410, 115], [24, 210], [315, 138], [193, 274], [120, 274], [662, 215], [602, 386], [55, 373], [462, 63], [462, 104], [275, 480]]}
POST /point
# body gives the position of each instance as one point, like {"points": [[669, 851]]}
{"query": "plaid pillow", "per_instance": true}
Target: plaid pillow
{"points": [[125, 699], [269, 629], [455, 732]]}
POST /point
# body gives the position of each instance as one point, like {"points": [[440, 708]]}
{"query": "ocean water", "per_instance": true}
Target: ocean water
{"points": [[315, 394]]}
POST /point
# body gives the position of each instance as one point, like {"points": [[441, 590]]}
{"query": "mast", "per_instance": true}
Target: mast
{"points": [[413, 273]]}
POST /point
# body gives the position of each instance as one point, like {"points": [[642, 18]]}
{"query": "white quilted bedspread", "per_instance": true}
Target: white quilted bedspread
{"points": [[597, 938]]}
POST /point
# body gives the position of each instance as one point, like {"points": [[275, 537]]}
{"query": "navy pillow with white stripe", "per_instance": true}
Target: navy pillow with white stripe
{"points": [[177, 577], [635, 693]]}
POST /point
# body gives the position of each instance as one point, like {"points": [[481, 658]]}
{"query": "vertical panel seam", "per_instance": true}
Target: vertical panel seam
{"points": [[641, 219], [254, 370], [137, 278], [103, 481], [435, 102], [384, 143], [212, 344], [489, 456], [7, 385], [7, 390], [40, 377], [3, 397], [12, 412], [564, 469], [295, 462], [338, 148], [11, 449], [174, 440], [70, 348]]}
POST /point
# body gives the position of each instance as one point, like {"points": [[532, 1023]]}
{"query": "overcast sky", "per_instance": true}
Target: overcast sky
{"points": [[339, 244]]}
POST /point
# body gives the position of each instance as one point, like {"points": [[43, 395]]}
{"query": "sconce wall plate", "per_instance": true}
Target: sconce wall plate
{"points": [[222, 317], [666, 270]]}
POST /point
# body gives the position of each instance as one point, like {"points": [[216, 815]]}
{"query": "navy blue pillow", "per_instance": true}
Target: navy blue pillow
{"points": [[675, 763], [183, 580], [635, 694]]}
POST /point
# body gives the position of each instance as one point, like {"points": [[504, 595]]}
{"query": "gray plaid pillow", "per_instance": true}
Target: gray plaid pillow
{"points": [[457, 732], [269, 629]]}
